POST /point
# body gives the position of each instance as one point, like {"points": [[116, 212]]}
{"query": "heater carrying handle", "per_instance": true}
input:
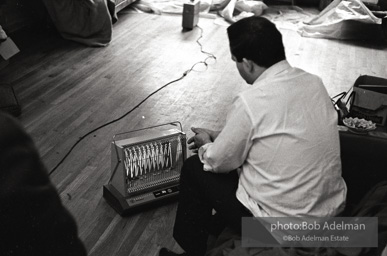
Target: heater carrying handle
{"points": [[175, 123]]}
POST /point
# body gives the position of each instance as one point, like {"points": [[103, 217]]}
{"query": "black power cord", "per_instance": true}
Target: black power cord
{"points": [[209, 56]]}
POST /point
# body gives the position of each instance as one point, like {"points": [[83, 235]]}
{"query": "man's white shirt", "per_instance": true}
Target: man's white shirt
{"points": [[282, 135]]}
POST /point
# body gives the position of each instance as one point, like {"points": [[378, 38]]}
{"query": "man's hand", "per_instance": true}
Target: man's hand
{"points": [[202, 136]]}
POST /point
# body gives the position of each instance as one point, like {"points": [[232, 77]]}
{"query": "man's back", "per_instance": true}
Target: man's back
{"points": [[293, 167]]}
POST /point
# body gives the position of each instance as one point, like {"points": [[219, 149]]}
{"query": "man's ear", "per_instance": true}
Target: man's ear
{"points": [[248, 64]]}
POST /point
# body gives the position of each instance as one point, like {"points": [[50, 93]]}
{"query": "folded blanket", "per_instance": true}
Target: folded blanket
{"points": [[84, 21]]}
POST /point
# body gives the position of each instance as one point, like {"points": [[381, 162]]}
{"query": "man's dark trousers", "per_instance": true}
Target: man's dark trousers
{"points": [[200, 193]]}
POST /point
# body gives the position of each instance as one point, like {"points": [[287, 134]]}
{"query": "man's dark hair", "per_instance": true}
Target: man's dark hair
{"points": [[256, 39]]}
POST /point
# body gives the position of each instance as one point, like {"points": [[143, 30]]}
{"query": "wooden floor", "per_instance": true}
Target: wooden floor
{"points": [[67, 89]]}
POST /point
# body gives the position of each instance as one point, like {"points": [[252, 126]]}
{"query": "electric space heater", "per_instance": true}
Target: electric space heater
{"points": [[145, 167]]}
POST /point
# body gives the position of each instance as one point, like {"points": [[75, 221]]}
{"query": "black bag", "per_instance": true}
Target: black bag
{"points": [[369, 99]]}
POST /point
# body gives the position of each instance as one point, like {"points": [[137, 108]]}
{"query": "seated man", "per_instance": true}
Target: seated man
{"points": [[33, 220], [278, 154]]}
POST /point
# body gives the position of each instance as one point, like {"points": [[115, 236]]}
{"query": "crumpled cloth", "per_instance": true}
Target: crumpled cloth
{"points": [[230, 10], [345, 19], [167, 6], [89, 22], [244, 8]]}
